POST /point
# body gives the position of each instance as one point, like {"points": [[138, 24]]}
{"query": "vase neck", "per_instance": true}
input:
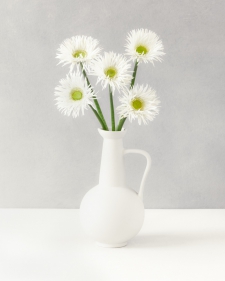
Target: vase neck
{"points": [[112, 166]]}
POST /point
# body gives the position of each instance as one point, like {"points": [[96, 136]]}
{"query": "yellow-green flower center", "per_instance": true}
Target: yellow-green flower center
{"points": [[110, 72], [76, 94], [137, 104], [79, 53], [142, 50]]}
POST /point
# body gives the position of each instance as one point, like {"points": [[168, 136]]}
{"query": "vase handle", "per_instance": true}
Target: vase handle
{"points": [[138, 151]]}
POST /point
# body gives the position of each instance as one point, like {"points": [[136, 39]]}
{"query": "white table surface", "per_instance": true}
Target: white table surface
{"points": [[173, 245]]}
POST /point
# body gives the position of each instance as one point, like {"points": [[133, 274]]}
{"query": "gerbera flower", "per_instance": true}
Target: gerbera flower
{"points": [[139, 103], [78, 49], [73, 94], [144, 45], [113, 70]]}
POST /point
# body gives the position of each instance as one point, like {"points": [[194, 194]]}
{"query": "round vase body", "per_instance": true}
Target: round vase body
{"points": [[111, 215]]}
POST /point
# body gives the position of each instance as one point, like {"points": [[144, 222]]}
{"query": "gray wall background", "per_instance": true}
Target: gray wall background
{"points": [[48, 160]]}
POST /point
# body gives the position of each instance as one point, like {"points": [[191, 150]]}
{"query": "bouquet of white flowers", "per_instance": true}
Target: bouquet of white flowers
{"points": [[75, 93]]}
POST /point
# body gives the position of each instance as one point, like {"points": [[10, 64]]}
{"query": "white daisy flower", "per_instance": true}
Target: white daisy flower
{"points": [[139, 103], [144, 45], [113, 70], [78, 49], [73, 94]]}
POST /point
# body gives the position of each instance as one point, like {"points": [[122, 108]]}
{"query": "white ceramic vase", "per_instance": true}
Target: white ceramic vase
{"points": [[111, 213]]}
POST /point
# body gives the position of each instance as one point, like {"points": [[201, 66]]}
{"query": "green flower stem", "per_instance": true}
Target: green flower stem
{"points": [[95, 100], [112, 109], [120, 125], [98, 117], [122, 120], [134, 74]]}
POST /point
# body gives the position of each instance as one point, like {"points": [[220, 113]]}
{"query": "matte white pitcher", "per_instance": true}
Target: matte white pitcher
{"points": [[111, 213]]}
